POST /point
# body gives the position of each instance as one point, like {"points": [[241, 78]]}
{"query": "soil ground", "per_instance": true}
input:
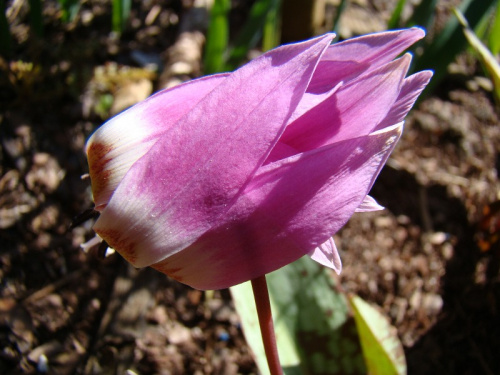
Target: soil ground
{"points": [[73, 313]]}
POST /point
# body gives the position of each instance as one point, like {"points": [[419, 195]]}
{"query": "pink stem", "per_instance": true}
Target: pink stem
{"points": [[261, 296]]}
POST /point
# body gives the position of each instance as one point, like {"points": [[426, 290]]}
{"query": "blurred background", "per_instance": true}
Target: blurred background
{"points": [[429, 262]]}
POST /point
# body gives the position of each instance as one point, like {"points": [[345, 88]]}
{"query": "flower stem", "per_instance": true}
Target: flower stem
{"points": [[261, 295]]}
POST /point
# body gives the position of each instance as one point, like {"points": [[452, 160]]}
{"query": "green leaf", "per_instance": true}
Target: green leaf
{"points": [[251, 32], [272, 27], [120, 15], [382, 349], [494, 40], [336, 21], [450, 41], [423, 14], [396, 15], [315, 331], [489, 61], [217, 37], [70, 9]]}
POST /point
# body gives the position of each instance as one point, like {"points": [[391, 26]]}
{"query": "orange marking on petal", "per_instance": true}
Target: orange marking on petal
{"points": [[123, 245], [99, 176], [163, 267]]}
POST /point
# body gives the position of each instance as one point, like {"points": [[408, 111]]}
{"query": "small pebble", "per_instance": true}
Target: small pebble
{"points": [[223, 336]]}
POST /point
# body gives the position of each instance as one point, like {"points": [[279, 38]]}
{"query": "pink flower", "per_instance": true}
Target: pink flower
{"points": [[226, 178]]}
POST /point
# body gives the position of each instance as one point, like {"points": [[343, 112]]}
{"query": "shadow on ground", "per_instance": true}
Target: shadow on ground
{"points": [[466, 337]]}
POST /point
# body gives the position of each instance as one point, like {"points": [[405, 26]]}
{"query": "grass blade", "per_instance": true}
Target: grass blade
{"points": [[272, 27], [217, 37], [450, 41], [336, 22], [488, 61], [120, 15], [423, 14], [70, 9], [494, 40], [251, 32], [395, 19]]}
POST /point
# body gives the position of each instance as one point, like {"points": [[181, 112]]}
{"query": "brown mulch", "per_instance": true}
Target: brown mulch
{"points": [[66, 312]]}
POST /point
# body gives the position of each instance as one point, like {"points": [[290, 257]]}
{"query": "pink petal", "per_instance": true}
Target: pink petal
{"points": [[196, 171], [124, 139], [348, 59], [309, 101], [327, 255], [280, 151], [369, 205], [353, 110], [412, 87], [289, 208]]}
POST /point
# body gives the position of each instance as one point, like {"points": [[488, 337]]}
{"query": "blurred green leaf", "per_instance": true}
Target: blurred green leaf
{"points": [[263, 21], [36, 19], [243, 299], [450, 41], [336, 22], [103, 106], [423, 14], [489, 61], [313, 324], [482, 28], [217, 37], [395, 19], [494, 40], [120, 14], [251, 32], [382, 349], [272, 27], [69, 9]]}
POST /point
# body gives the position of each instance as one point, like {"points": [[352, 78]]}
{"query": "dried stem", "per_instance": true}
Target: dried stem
{"points": [[261, 295]]}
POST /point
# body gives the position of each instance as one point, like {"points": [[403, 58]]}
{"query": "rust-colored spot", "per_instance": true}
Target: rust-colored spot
{"points": [[122, 244], [163, 267], [99, 175], [488, 228], [177, 278]]}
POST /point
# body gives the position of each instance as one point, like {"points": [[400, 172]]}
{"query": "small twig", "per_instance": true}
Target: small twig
{"points": [[261, 295], [424, 209], [88, 214]]}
